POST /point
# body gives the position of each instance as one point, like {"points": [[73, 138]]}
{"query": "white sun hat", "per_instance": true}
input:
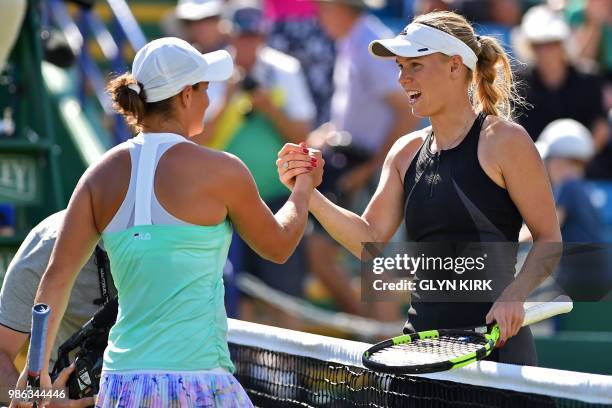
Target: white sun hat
{"points": [[540, 24], [167, 65], [566, 138], [194, 10]]}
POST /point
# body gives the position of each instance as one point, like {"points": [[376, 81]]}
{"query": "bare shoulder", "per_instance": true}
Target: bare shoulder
{"points": [[505, 141], [225, 166], [115, 161], [410, 143], [405, 149], [502, 134]]}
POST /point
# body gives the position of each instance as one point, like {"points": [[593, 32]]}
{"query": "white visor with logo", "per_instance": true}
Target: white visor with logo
{"points": [[418, 40]]}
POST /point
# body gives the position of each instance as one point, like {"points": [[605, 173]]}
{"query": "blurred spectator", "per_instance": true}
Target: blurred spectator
{"points": [[199, 23], [427, 6], [495, 18], [583, 272], [369, 108], [11, 18], [264, 106], [592, 23], [555, 88], [7, 220], [566, 147], [370, 111], [295, 31]]}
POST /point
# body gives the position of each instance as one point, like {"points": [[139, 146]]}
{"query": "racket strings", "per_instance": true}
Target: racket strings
{"points": [[428, 351]]}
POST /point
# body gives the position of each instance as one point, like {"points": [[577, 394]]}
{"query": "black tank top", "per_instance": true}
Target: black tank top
{"points": [[449, 197]]}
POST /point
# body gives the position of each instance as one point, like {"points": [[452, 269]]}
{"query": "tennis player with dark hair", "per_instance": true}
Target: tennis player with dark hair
{"points": [[163, 207], [472, 176]]}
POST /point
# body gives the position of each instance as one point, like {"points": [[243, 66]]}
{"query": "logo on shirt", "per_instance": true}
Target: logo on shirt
{"points": [[142, 237]]}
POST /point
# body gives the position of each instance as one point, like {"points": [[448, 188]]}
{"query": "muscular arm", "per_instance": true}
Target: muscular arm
{"points": [[76, 241], [383, 214], [528, 186], [272, 236], [535, 202]]}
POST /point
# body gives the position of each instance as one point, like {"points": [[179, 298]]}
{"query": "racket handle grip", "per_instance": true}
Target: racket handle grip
{"points": [[538, 311], [40, 317]]}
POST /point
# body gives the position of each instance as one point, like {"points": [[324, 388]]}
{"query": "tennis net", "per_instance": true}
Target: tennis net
{"points": [[285, 368]]}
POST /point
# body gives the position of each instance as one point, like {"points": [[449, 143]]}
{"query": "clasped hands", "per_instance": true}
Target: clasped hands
{"points": [[296, 161]]}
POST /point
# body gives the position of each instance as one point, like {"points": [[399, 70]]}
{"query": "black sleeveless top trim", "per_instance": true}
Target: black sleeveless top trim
{"points": [[449, 197]]}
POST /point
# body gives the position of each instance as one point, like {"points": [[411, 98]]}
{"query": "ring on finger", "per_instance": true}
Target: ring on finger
{"points": [[286, 165]]}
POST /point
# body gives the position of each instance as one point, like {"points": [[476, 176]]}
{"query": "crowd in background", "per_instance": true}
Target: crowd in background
{"points": [[304, 74]]}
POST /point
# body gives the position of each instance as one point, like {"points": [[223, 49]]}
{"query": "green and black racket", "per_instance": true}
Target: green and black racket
{"points": [[440, 350]]}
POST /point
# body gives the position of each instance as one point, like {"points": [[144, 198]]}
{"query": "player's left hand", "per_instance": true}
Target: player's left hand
{"points": [[509, 316]]}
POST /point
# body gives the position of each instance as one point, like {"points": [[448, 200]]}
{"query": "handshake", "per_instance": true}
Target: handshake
{"points": [[298, 163]]}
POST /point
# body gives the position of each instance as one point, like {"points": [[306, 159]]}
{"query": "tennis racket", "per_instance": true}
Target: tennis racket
{"points": [[440, 350], [40, 316]]}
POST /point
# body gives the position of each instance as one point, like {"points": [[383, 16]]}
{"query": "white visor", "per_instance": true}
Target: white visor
{"points": [[418, 40], [167, 65]]}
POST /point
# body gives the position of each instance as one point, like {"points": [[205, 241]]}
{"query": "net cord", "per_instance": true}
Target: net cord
{"points": [[591, 388]]}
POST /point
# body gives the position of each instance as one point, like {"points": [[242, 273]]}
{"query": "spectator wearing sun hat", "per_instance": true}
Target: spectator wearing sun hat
{"points": [[199, 21], [584, 272], [555, 88], [566, 147]]}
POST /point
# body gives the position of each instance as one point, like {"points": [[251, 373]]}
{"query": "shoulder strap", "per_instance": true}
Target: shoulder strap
{"points": [[146, 174], [478, 123], [473, 135], [419, 170]]}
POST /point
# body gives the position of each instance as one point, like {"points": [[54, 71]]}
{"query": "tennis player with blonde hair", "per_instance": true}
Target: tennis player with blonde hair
{"points": [[472, 176]]}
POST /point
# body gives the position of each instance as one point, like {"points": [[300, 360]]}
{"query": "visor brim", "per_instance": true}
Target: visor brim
{"points": [[398, 47], [220, 66]]}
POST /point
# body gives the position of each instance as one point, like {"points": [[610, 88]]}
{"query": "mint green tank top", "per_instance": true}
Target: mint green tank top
{"points": [[169, 282]]}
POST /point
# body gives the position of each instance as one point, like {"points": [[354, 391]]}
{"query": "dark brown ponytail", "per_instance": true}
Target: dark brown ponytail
{"points": [[127, 102]]}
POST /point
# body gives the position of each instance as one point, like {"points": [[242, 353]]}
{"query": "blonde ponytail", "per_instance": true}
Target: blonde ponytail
{"points": [[493, 80]]}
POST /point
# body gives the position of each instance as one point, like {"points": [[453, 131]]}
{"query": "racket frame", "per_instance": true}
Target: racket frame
{"points": [[489, 334], [534, 312]]}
